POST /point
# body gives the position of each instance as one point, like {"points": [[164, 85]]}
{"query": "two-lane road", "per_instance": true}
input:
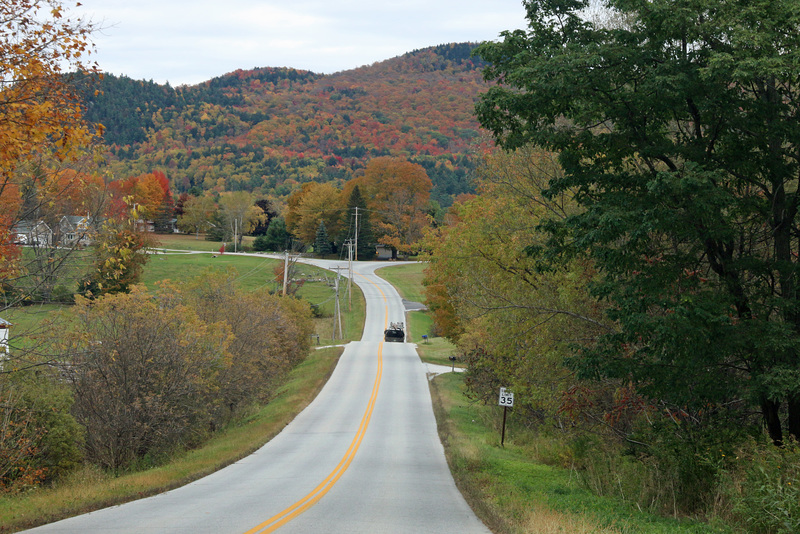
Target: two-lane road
{"points": [[364, 457]]}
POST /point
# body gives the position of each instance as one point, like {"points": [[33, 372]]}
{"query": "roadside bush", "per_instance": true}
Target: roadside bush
{"points": [[143, 370], [670, 465], [39, 439], [269, 335], [262, 244], [155, 373]]}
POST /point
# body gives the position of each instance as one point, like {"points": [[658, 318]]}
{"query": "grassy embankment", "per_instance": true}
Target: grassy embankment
{"points": [[90, 489], [521, 487]]}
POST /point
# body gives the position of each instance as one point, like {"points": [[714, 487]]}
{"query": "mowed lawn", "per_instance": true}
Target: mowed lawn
{"points": [[252, 272]]}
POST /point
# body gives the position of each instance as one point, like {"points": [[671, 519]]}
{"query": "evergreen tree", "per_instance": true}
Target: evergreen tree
{"points": [[276, 239], [322, 245], [356, 219]]}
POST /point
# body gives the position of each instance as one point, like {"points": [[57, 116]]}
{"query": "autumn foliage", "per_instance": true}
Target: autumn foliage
{"points": [[41, 117], [271, 130], [154, 372], [396, 194]]}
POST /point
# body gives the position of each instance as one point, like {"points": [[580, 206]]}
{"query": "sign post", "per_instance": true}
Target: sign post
{"points": [[506, 401]]}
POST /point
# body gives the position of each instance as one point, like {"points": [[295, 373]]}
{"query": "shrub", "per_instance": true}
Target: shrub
{"points": [[39, 439], [143, 371]]}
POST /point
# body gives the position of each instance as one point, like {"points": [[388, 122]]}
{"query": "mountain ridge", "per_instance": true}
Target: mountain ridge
{"points": [[268, 130]]}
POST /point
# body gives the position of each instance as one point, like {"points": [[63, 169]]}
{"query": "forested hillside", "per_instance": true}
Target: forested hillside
{"points": [[269, 130]]}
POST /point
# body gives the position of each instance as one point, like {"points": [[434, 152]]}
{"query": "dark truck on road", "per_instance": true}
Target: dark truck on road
{"points": [[394, 333]]}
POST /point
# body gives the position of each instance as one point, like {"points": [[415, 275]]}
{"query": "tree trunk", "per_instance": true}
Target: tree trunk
{"points": [[794, 416], [769, 409]]}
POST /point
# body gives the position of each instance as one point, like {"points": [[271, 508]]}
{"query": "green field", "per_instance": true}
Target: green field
{"points": [[253, 272], [257, 272], [190, 242]]}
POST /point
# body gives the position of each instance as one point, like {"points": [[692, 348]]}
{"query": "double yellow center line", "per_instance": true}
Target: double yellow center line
{"points": [[277, 521]]}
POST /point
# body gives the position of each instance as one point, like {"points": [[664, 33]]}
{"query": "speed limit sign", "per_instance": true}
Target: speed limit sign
{"points": [[506, 398]]}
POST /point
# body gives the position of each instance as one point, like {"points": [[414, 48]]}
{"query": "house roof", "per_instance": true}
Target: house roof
{"points": [[4, 323], [26, 227]]}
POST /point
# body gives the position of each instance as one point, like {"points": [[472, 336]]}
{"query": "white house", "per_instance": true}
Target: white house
{"points": [[33, 233], [4, 326], [77, 229]]}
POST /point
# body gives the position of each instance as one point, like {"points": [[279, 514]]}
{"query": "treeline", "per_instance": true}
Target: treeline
{"points": [[268, 131], [388, 204]]}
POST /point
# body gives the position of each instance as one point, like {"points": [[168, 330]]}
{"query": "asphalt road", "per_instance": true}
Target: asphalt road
{"points": [[364, 457]]}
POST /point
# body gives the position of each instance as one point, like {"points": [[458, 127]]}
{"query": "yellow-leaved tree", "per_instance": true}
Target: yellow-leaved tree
{"points": [[42, 130], [512, 321]]}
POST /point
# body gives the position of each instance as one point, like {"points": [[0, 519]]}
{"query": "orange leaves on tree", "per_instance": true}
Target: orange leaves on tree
{"points": [[40, 112], [10, 202], [399, 193], [147, 192]]}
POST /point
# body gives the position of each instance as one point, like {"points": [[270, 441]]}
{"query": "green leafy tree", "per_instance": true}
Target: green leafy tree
{"points": [[120, 256], [198, 213], [512, 323], [39, 438], [679, 132]]}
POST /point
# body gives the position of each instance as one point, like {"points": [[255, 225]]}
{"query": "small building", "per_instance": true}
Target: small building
{"points": [[77, 230], [4, 327], [384, 252], [32, 233]]}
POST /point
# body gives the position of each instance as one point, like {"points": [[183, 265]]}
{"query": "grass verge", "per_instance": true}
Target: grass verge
{"points": [[91, 489], [512, 492], [406, 278]]}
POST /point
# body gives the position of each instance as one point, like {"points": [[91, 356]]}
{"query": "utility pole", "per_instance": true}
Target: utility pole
{"points": [[356, 208], [337, 314], [285, 271], [349, 245]]}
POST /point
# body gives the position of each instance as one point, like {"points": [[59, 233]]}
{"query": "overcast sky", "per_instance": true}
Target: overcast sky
{"points": [[191, 41]]}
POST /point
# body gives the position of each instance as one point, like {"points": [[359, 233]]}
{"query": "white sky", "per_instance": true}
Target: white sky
{"points": [[191, 41]]}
